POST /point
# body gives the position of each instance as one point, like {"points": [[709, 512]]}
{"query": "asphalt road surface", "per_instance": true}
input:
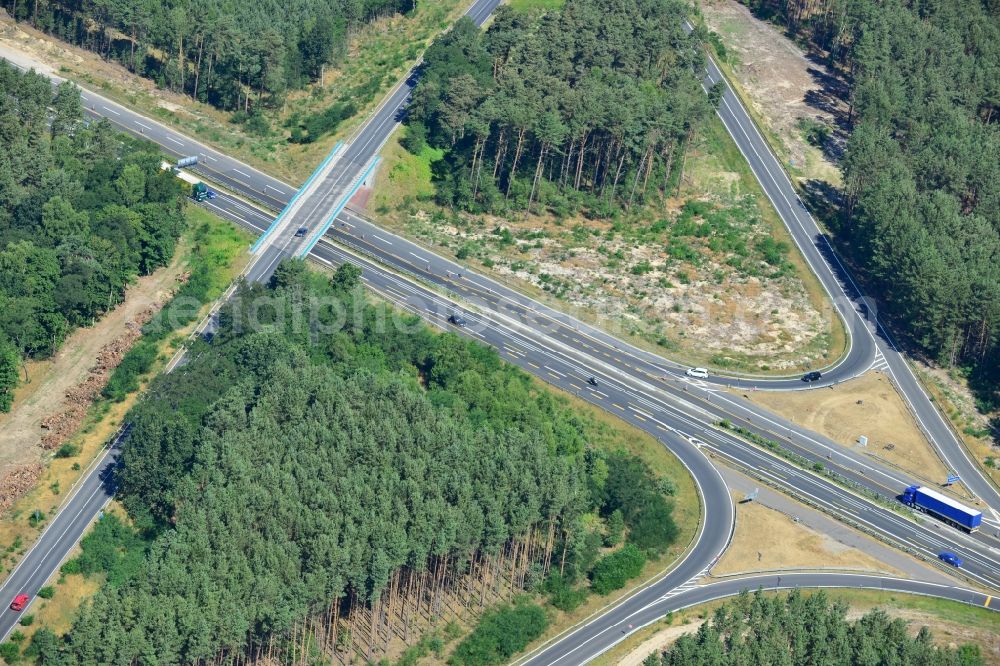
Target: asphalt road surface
{"points": [[870, 345], [679, 408], [86, 501], [594, 637]]}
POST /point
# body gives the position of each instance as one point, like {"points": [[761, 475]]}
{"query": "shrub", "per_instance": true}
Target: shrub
{"points": [[10, 652], [67, 450], [27, 620], [36, 518], [562, 594], [612, 571], [125, 378], [71, 567], [500, 634], [47, 592]]}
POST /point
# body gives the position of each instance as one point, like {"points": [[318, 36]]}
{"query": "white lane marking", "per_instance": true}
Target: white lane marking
{"points": [[170, 138], [387, 242], [279, 191], [419, 257], [553, 370], [231, 214], [208, 157], [640, 412], [143, 126], [241, 173], [108, 108]]}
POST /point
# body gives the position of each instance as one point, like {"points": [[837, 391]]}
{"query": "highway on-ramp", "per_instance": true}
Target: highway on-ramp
{"points": [[869, 347], [688, 411], [592, 638]]}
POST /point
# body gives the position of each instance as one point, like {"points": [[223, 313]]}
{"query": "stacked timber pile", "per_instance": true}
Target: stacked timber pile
{"points": [[64, 423], [17, 481]]}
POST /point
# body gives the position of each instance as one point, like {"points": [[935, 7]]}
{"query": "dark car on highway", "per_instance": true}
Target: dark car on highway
{"points": [[301, 231], [456, 319], [813, 376]]}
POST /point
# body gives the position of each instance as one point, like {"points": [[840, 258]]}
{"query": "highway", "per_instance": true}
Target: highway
{"points": [[638, 386], [677, 408], [84, 503], [870, 339], [869, 345]]}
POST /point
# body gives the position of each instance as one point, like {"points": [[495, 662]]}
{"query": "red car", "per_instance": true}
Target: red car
{"points": [[20, 601]]}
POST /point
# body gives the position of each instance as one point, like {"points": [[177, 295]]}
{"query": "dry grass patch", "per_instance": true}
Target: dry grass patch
{"points": [[868, 405], [789, 545]]}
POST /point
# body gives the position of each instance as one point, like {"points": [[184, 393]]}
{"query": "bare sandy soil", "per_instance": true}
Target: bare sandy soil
{"points": [[49, 381], [658, 642], [868, 405], [789, 545], [782, 86], [632, 283]]}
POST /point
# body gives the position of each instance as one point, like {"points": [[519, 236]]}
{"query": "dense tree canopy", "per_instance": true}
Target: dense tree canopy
{"points": [[797, 630], [586, 106], [922, 170], [229, 53], [83, 211], [303, 456]]}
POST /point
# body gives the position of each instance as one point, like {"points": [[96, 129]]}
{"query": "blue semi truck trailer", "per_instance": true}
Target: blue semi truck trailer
{"points": [[945, 508]]}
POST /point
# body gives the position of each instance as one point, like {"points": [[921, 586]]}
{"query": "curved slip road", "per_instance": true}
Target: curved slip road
{"points": [[662, 412], [586, 642], [564, 368]]}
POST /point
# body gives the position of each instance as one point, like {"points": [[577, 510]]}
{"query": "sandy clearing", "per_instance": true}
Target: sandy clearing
{"points": [[659, 641], [777, 79], [789, 545]]}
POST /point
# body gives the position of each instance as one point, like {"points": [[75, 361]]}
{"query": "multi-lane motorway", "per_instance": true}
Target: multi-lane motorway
{"points": [[636, 385]]}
